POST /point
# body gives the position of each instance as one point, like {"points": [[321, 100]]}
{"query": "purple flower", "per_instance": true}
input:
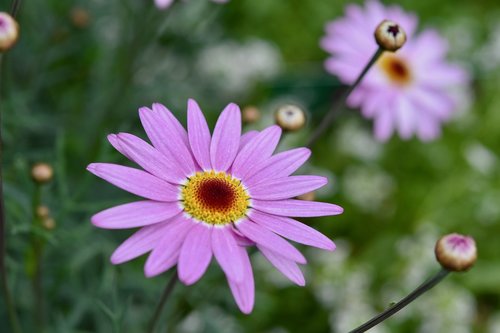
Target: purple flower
{"points": [[211, 194], [164, 4], [409, 91]]}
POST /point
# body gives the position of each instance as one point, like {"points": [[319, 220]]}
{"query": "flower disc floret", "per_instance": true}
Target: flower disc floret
{"points": [[215, 198]]}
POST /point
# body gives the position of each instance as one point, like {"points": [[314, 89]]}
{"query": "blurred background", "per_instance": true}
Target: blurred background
{"points": [[80, 71]]}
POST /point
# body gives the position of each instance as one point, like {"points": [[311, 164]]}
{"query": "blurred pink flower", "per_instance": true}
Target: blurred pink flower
{"points": [[211, 194], [410, 91], [164, 4]]}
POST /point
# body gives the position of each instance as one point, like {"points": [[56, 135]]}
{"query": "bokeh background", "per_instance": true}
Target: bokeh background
{"points": [[82, 69]]}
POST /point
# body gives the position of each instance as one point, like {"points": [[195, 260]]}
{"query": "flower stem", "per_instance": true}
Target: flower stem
{"points": [[166, 293], [402, 303], [15, 8], [37, 248], [9, 304], [339, 102]]}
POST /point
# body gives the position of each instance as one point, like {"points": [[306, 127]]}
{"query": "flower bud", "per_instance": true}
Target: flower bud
{"points": [[390, 36], [250, 114], [309, 196], [49, 223], [42, 173], [290, 118], [455, 252], [42, 211], [79, 17], [9, 31]]}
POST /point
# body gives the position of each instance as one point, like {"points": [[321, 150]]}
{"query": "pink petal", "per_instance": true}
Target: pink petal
{"points": [[171, 120], [288, 267], [166, 253], [135, 181], [226, 138], [245, 138], [139, 243], [285, 188], [278, 166], [259, 149], [163, 4], [135, 214], [115, 142], [199, 135], [244, 291], [297, 208], [226, 252], [384, 125], [151, 159], [293, 230], [266, 238], [406, 116], [196, 253], [165, 135]]}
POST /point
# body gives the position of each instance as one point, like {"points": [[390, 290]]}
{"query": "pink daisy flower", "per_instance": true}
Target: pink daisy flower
{"points": [[211, 195], [411, 91], [164, 4]]}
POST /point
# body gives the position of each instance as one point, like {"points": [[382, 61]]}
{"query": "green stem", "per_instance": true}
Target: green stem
{"points": [[339, 102], [14, 321], [402, 303], [164, 297], [37, 248]]}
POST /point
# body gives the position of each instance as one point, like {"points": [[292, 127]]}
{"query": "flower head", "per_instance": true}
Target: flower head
{"points": [[455, 252], [409, 91], [9, 31], [211, 195]]}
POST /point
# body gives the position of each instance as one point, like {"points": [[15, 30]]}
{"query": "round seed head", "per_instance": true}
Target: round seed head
{"points": [[42, 173], [9, 31], [390, 36], [290, 118], [455, 252]]}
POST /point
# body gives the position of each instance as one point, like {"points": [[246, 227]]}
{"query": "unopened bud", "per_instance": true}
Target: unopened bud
{"points": [[390, 36], [250, 114], [42, 212], [79, 17], [49, 223], [290, 118], [455, 252], [42, 173], [9, 31], [309, 196]]}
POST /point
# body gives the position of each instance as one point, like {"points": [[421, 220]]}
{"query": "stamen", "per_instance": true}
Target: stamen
{"points": [[215, 198]]}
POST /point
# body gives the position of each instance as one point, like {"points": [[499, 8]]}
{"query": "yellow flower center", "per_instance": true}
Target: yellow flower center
{"points": [[215, 198], [396, 68]]}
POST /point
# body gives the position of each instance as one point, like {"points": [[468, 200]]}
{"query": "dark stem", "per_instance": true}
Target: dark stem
{"points": [[15, 8], [402, 303], [340, 102], [166, 293], [9, 304]]}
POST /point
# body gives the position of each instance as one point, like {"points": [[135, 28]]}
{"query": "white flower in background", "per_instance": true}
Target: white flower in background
{"points": [[356, 141], [235, 67]]}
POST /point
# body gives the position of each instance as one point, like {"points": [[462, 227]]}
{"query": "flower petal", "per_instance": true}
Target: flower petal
{"points": [[135, 214], [135, 181], [266, 238], [297, 208], [288, 267], [285, 188], [258, 149], [199, 135], [151, 159], [163, 131], [196, 253], [245, 138], [226, 138], [139, 243], [165, 255], [226, 252], [278, 166], [293, 230], [115, 142], [244, 291]]}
